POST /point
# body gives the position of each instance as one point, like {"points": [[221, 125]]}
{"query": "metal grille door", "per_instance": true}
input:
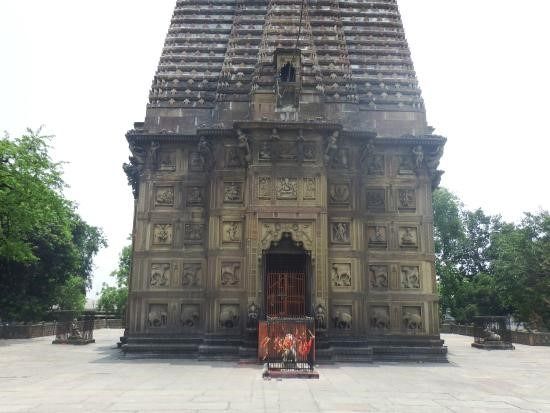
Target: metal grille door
{"points": [[286, 292]]}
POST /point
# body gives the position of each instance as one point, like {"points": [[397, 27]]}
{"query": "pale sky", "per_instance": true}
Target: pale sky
{"points": [[84, 69]]}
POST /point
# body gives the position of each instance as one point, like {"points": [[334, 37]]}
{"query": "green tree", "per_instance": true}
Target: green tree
{"points": [[43, 241], [113, 299]]}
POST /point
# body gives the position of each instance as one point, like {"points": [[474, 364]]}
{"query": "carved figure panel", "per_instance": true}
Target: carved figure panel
{"points": [[193, 232], [379, 317], [287, 188], [195, 196], [195, 162], [264, 187], [229, 316], [264, 153], [192, 275], [377, 236], [340, 232], [160, 276], [339, 193], [230, 274], [406, 165], [253, 315], [407, 199], [410, 277], [375, 165], [232, 231], [233, 158], [341, 159], [301, 232], [379, 276], [164, 196], [190, 315], [162, 234], [167, 161], [340, 275], [310, 151], [342, 317], [310, 188], [408, 237], [376, 200], [157, 316], [233, 192], [321, 317], [412, 318]]}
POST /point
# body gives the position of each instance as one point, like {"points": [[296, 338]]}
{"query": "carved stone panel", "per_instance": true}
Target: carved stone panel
{"points": [[264, 187], [406, 165], [377, 236], [412, 318], [407, 200], [192, 275], [339, 193], [230, 274], [340, 159], [410, 277], [379, 317], [167, 161], [233, 192], [310, 188], [342, 317], [232, 232], [157, 317], [264, 153], [310, 151], [160, 276], [196, 163], [375, 165], [408, 237], [376, 200], [193, 232], [379, 277], [340, 275], [195, 196], [340, 233], [301, 232], [229, 316], [190, 315], [233, 158], [162, 234], [287, 188], [164, 196]]}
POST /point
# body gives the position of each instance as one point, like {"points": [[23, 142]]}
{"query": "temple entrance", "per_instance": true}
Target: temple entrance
{"points": [[287, 279]]}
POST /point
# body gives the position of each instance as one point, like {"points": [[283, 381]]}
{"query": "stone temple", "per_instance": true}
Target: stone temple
{"points": [[284, 168]]}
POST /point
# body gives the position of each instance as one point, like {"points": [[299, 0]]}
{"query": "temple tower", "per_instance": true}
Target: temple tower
{"points": [[284, 166]]}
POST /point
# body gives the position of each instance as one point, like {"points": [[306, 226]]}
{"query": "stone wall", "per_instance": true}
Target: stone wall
{"points": [[518, 337]]}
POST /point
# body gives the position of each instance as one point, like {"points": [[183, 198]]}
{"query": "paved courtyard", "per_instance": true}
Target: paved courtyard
{"points": [[36, 376]]}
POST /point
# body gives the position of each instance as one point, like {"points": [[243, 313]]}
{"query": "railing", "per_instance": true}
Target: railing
{"points": [[287, 344], [518, 337]]}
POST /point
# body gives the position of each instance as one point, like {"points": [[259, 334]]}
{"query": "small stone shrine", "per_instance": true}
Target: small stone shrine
{"points": [[285, 168]]}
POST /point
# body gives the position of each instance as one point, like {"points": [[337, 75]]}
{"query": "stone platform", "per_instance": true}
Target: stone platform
{"points": [[36, 376]]}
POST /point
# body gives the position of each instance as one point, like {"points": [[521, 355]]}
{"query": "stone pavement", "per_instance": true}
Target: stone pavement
{"points": [[36, 376]]}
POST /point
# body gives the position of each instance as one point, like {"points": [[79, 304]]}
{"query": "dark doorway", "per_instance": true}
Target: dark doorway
{"points": [[287, 280]]}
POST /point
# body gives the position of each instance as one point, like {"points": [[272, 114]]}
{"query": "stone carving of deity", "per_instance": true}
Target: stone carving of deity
{"points": [[230, 275], [244, 147], [265, 151], [331, 150], [407, 199], [287, 188], [378, 276], [232, 192], [339, 193], [408, 237], [191, 275], [410, 277], [165, 196], [194, 196], [264, 187], [232, 231], [310, 190]]}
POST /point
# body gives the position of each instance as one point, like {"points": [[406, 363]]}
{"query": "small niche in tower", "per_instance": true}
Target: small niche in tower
{"points": [[288, 65]]}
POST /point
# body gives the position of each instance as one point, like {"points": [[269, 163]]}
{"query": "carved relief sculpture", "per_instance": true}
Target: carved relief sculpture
{"points": [[339, 193], [408, 237], [244, 148], [231, 274], [410, 277], [167, 161], [193, 232], [195, 196], [376, 236], [407, 199], [340, 232], [162, 234], [418, 154], [300, 232], [160, 275], [158, 315], [342, 317], [252, 317], [232, 231], [320, 317], [229, 316], [264, 187], [206, 154], [376, 200], [233, 158], [287, 188], [192, 274], [331, 150], [190, 315], [379, 278], [233, 192], [380, 318], [340, 275], [195, 162], [164, 196], [406, 165], [412, 318]]}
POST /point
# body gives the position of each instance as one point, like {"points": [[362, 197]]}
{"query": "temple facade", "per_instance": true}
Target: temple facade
{"points": [[284, 168]]}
